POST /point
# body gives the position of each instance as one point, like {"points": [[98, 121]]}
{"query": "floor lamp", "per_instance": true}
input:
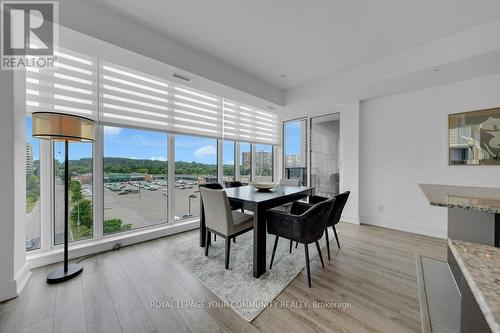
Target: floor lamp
{"points": [[67, 128]]}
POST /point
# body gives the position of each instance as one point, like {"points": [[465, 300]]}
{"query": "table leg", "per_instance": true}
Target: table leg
{"points": [[259, 242]]}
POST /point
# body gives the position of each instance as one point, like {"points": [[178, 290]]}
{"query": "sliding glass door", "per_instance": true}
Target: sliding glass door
{"points": [[325, 152]]}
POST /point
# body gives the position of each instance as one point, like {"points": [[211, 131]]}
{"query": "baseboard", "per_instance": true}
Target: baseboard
{"points": [[23, 277], [408, 227], [107, 243], [13, 288], [350, 219]]}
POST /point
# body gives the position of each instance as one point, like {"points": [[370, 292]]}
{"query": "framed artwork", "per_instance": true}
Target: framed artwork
{"points": [[474, 137]]}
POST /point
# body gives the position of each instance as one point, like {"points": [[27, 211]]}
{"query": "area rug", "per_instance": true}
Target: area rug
{"points": [[236, 287]]}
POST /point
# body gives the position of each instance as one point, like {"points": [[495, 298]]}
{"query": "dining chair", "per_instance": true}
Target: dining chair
{"points": [[233, 183], [217, 186], [304, 224], [287, 182], [339, 203], [221, 220]]}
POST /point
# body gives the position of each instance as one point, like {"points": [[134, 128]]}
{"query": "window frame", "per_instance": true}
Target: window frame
{"points": [[306, 121], [100, 216]]}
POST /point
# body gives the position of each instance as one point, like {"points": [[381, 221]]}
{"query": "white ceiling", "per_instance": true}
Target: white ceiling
{"points": [[304, 39]]}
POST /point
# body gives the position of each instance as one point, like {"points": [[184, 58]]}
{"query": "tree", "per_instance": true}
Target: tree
{"points": [[76, 191], [115, 225], [82, 212]]}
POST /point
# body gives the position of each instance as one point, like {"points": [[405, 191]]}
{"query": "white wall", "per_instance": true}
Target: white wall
{"points": [[403, 142]]}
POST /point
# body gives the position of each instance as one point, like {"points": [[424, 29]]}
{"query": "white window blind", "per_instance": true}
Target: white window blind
{"points": [[131, 98], [120, 96], [244, 123], [69, 87], [197, 112], [136, 99]]}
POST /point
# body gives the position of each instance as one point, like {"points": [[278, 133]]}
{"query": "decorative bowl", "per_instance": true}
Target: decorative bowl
{"points": [[264, 186]]}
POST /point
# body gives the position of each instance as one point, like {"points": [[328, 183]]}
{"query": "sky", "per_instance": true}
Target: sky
{"points": [[292, 137], [140, 144]]}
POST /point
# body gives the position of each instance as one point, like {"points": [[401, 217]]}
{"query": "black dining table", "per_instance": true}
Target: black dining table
{"points": [[258, 202]]}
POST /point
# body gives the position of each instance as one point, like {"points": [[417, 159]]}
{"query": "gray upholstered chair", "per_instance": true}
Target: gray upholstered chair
{"points": [[305, 224], [290, 182], [221, 220]]}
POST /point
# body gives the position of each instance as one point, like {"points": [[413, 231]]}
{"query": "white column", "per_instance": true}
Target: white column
{"points": [[14, 272]]}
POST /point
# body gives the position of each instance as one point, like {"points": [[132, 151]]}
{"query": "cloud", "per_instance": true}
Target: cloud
{"points": [[209, 150], [110, 131], [158, 158]]}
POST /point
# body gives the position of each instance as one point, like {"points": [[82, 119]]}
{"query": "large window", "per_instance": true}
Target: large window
{"points": [[263, 163], [294, 161], [135, 179], [80, 198], [245, 160], [195, 164], [132, 180], [228, 150], [32, 189]]}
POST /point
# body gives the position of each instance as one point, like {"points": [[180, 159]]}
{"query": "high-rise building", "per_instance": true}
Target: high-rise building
{"points": [[263, 160], [30, 166], [246, 162], [293, 161]]}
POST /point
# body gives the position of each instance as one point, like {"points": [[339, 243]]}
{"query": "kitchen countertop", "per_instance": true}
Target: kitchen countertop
{"points": [[485, 199], [480, 265]]}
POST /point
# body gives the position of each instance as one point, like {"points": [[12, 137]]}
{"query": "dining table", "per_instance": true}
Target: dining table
{"points": [[250, 199]]}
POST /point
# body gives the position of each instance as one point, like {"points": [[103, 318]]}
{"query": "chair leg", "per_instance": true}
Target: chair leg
{"points": [[234, 240], [320, 255], [327, 242], [307, 265], [207, 243], [215, 237], [228, 249], [296, 244], [291, 243], [336, 237], [274, 251]]}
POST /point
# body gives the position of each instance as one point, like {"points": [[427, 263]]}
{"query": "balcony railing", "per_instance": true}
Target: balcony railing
{"points": [[297, 172]]}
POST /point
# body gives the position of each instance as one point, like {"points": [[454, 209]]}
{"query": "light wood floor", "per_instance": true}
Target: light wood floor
{"points": [[375, 271]]}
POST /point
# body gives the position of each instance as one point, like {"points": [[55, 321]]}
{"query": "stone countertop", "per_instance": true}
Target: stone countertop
{"points": [[485, 199], [480, 265]]}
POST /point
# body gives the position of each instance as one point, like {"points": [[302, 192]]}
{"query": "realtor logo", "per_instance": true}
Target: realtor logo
{"points": [[29, 33]]}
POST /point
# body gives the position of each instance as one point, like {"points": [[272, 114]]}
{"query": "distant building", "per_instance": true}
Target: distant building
{"points": [[83, 179], [293, 161], [246, 162], [263, 160], [30, 166]]}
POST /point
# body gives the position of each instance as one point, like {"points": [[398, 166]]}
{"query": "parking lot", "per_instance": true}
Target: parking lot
{"points": [[148, 207]]}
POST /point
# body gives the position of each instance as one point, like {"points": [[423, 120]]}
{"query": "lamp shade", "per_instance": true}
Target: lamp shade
{"points": [[61, 127]]}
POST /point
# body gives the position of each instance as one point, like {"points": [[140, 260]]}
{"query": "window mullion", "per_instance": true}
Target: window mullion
{"points": [[98, 183], [237, 161], [220, 159], [171, 178]]}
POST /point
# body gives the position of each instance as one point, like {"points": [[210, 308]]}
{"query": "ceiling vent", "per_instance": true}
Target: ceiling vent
{"points": [[182, 77]]}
